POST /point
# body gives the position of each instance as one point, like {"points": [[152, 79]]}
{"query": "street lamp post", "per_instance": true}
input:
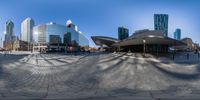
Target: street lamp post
{"points": [[144, 41], [1, 43], [66, 48], [197, 49], [188, 46], [119, 47]]}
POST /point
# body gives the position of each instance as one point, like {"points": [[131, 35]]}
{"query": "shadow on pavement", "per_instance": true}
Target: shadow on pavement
{"points": [[182, 76]]}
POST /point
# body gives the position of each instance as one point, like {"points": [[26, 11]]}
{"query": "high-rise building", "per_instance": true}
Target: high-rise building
{"points": [[161, 23], [9, 35], [177, 34], [9, 30], [1, 43], [123, 33], [26, 30]]}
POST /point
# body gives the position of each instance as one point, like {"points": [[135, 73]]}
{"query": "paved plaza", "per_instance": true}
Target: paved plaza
{"points": [[98, 76]]}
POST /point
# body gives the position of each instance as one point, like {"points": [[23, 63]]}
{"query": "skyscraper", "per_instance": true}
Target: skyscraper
{"points": [[177, 34], [123, 33], [26, 30], [9, 30], [161, 23], [1, 43], [9, 35]]}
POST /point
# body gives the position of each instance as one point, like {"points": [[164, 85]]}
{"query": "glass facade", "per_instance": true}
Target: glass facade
{"points": [[9, 35], [67, 38], [9, 31], [83, 40], [39, 34], [161, 23], [177, 34], [123, 33], [54, 33], [54, 39]]}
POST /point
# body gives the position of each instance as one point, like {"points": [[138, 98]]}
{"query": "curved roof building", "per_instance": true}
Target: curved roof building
{"points": [[154, 40], [149, 37], [104, 40]]}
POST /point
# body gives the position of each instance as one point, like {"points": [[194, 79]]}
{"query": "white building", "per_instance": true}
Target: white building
{"points": [[27, 30]]}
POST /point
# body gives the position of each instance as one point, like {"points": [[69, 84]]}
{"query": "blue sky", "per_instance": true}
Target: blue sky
{"points": [[103, 17]]}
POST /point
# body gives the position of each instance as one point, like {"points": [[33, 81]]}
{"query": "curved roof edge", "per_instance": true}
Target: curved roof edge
{"points": [[105, 37], [150, 39], [104, 40]]}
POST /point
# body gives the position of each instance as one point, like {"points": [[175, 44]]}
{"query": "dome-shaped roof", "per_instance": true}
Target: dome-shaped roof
{"points": [[68, 22], [51, 23]]}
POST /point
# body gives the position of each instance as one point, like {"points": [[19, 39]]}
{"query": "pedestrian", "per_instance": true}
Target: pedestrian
{"points": [[188, 56], [5, 53]]}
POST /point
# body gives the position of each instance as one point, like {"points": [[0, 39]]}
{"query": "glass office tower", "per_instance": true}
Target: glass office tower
{"points": [[177, 34], [123, 33], [9, 35], [50, 34], [9, 31], [161, 23]]}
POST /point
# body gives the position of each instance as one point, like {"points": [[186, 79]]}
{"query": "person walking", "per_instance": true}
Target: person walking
{"points": [[173, 56], [188, 56], [5, 52]]}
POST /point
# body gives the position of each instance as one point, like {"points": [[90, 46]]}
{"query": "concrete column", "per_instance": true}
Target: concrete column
{"points": [[144, 49]]}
